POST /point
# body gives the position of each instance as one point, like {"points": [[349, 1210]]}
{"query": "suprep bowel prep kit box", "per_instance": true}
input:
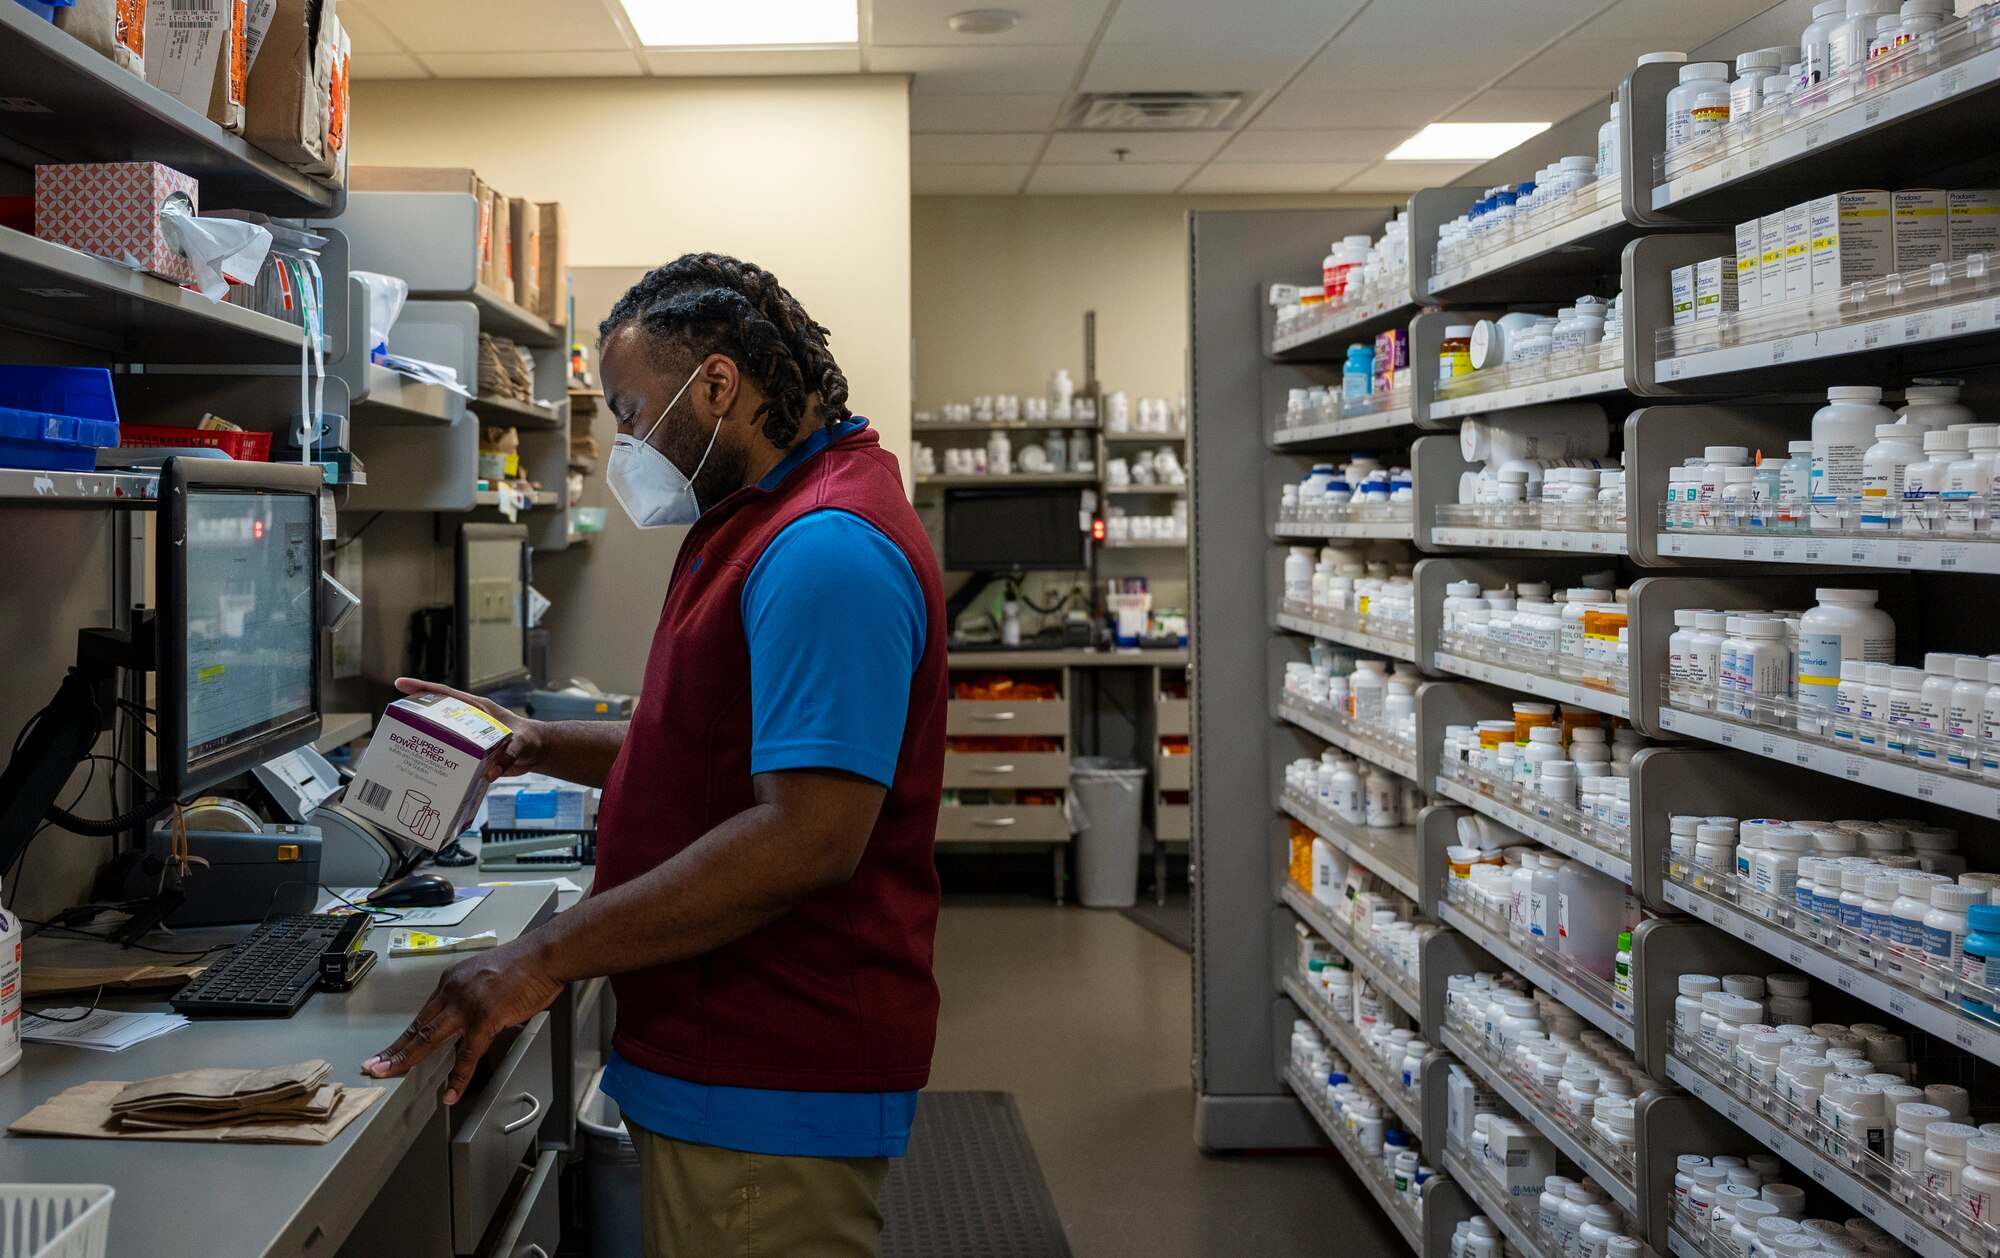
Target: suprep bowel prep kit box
{"points": [[424, 771]]}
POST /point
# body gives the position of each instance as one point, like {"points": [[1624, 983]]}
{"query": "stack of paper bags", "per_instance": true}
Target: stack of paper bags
{"points": [[281, 1105]]}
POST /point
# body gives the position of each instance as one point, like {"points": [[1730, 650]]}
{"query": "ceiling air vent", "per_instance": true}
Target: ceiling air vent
{"points": [[1152, 111]]}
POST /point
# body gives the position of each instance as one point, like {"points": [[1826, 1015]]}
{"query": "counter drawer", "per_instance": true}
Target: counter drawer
{"points": [[997, 823], [1170, 717], [499, 1128], [1172, 773], [1006, 770], [533, 1226], [989, 717], [1171, 823]]}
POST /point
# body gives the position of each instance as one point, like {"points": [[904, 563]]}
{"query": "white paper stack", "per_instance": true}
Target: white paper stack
{"points": [[101, 1029]]}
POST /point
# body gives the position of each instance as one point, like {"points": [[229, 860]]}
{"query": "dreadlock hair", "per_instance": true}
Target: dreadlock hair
{"points": [[709, 303]]}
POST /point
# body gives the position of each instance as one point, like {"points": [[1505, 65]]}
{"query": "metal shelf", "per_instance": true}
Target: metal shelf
{"points": [[506, 410], [1378, 850], [1376, 530], [1348, 1040], [1567, 541], [1584, 1003], [1389, 982], [1586, 246], [1900, 778], [1947, 1022], [1018, 478], [1481, 1188], [1327, 336], [1145, 543], [1926, 123], [1609, 864], [1144, 438], [541, 498], [1346, 742], [1933, 553], [1619, 1189], [1553, 689], [1006, 425], [1876, 1203], [1951, 333], [68, 103], [394, 398], [500, 316], [1408, 1226], [79, 489], [1394, 648], [1346, 426], [55, 291], [1558, 389], [1146, 491]]}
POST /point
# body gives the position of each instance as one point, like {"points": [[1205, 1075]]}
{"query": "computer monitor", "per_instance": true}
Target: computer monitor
{"points": [[1031, 529], [237, 624], [490, 643]]}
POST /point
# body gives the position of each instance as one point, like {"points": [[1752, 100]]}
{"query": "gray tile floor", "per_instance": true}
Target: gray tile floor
{"points": [[1085, 1018]]}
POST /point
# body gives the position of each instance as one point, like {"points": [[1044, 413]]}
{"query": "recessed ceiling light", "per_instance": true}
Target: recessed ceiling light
{"points": [[743, 23], [984, 21], [1464, 141]]}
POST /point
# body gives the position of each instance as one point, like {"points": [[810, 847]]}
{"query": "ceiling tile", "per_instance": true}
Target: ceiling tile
{"points": [[1019, 111], [532, 65], [751, 62], [1680, 26], [1237, 66], [1314, 146], [1273, 176], [1070, 148], [501, 25], [1107, 180], [1407, 176], [934, 181], [1511, 105], [898, 23], [975, 150], [1303, 23], [1460, 61], [366, 30], [988, 69], [388, 65], [1300, 108]]}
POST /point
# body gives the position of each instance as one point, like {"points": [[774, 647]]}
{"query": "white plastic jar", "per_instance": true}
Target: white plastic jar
{"points": [[1944, 1158], [1687, 1004], [1842, 431], [1965, 712], [1979, 1182], [1844, 625], [1923, 480], [1882, 473], [1696, 79], [1968, 479]]}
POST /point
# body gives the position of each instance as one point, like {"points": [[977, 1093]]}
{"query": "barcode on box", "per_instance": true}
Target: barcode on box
{"points": [[374, 795]]}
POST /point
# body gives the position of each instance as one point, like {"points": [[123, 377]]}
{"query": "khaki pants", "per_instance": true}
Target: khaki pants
{"points": [[705, 1202]]}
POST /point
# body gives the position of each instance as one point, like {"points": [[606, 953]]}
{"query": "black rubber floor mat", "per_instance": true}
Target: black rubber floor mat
{"points": [[970, 1186], [1172, 921]]}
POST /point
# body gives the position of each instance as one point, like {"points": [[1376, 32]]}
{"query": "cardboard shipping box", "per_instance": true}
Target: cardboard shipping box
{"points": [[198, 53], [423, 772], [524, 219], [286, 105], [112, 209], [333, 76], [554, 264], [115, 28], [500, 270]]}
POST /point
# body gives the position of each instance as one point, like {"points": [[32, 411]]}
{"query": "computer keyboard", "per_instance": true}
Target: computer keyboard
{"points": [[274, 969]]}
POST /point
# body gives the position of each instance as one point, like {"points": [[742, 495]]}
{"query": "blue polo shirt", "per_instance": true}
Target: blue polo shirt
{"points": [[834, 619]]}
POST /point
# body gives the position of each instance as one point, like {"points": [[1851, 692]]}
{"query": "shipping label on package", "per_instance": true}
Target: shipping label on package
{"points": [[424, 772], [112, 209], [185, 42]]}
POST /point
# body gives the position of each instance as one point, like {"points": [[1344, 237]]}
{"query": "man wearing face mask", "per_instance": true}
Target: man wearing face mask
{"points": [[765, 896]]}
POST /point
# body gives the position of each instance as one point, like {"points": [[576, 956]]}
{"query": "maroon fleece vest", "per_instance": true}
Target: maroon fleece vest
{"points": [[837, 995]]}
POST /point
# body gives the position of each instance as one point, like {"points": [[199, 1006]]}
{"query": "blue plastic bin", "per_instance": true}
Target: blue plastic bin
{"points": [[45, 9], [54, 419]]}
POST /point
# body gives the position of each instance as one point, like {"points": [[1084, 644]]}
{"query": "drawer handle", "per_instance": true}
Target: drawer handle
{"points": [[996, 823], [534, 1112], [994, 716], [993, 768]]}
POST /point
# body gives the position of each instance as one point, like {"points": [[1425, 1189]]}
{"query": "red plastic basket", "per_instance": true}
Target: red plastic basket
{"points": [[253, 447]]}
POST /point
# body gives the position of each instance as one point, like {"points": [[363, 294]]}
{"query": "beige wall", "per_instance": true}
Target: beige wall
{"points": [[808, 177], [1000, 284]]}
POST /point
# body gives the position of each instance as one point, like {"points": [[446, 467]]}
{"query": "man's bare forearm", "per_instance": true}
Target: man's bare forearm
{"points": [[582, 751]]}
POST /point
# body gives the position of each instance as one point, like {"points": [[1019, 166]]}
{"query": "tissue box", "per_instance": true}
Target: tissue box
{"points": [[112, 209], [424, 772]]}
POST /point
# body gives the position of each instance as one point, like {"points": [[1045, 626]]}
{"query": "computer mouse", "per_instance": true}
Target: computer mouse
{"points": [[415, 891]]}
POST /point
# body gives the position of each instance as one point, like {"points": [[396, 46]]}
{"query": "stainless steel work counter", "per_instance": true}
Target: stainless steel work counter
{"points": [[224, 1201]]}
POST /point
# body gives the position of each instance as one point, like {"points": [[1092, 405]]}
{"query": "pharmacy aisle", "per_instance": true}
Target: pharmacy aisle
{"points": [[1633, 751]]}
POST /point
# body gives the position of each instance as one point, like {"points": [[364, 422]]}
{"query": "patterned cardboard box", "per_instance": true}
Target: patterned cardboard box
{"points": [[112, 209]]}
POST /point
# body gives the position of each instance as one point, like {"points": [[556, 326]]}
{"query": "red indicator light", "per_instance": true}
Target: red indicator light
{"points": [[1097, 530], [257, 529]]}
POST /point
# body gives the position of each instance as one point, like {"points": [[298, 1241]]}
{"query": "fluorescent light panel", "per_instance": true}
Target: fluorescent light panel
{"points": [[744, 23], [1464, 141]]}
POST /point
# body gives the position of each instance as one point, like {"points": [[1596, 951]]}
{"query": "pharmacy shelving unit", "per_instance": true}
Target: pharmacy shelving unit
{"points": [[1363, 633]]}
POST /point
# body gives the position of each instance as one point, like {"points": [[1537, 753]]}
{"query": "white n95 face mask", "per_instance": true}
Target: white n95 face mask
{"points": [[653, 491]]}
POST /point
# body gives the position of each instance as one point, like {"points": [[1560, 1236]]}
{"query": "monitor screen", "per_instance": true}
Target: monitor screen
{"points": [[238, 584], [492, 605], [1014, 528]]}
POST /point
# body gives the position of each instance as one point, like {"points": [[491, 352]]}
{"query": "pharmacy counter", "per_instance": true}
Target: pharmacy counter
{"points": [[1077, 657], [406, 1177]]}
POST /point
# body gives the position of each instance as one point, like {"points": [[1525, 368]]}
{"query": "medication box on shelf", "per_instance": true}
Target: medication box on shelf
{"points": [[424, 772], [1714, 288], [1922, 228], [1465, 1100], [1520, 1158], [1771, 259], [1798, 252], [1747, 257], [1851, 238], [1974, 222], [1681, 283], [112, 209]]}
